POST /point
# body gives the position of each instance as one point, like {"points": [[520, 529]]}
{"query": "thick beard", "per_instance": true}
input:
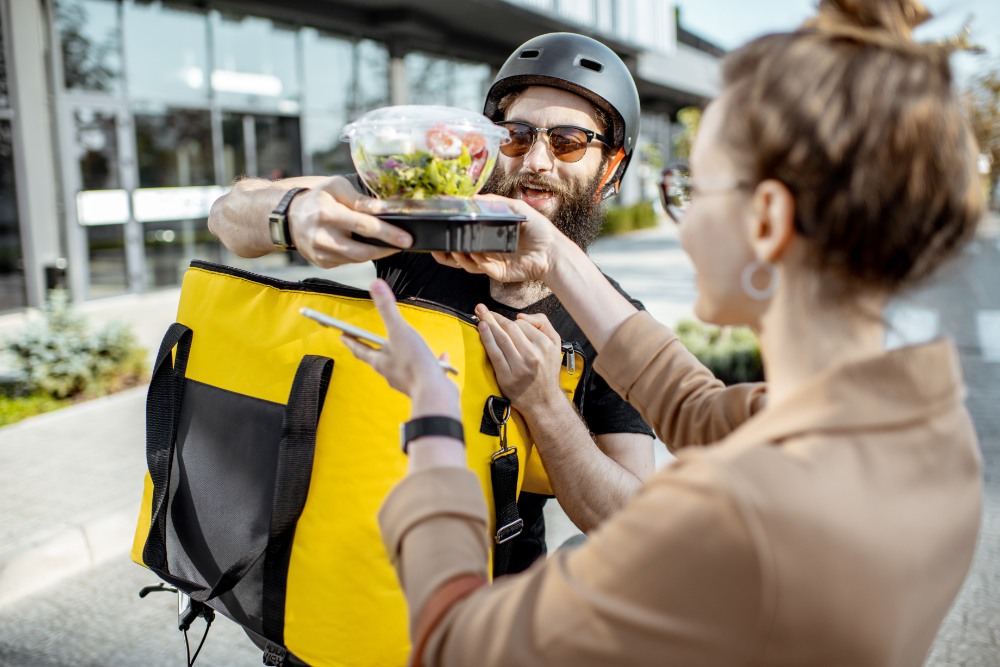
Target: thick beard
{"points": [[579, 216]]}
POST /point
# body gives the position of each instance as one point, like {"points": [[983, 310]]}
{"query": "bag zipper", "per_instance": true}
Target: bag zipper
{"points": [[325, 286]]}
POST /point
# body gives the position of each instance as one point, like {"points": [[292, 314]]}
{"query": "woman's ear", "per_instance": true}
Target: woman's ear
{"points": [[772, 223]]}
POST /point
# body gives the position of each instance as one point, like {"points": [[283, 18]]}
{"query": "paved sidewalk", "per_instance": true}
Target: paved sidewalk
{"points": [[70, 481]]}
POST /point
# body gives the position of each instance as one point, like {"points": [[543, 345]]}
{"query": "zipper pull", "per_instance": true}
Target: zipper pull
{"points": [[569, 359]]}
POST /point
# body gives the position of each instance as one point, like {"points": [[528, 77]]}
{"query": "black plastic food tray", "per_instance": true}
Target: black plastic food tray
{"points": [[454, 233]]}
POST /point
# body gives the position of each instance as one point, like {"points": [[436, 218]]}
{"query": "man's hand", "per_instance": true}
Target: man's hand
{"points": [[533, 259], [526, 356], [323, 219]]}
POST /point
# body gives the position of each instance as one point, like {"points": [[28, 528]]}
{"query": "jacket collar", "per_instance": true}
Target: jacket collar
{"points": [[892, 388]]}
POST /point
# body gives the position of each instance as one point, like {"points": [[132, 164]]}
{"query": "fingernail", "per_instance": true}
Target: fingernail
{"points": [[403, 241]]}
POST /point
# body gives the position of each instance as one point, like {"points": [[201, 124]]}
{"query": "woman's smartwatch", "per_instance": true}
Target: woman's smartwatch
{"points": [[435, 425]]}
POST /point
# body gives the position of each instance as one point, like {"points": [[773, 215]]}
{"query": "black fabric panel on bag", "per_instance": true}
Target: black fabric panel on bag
{"points": [[294, 470], [163, 402], [221, 491]]}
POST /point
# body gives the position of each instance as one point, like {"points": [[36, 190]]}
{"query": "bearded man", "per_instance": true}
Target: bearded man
{"points": [[572, 109]]}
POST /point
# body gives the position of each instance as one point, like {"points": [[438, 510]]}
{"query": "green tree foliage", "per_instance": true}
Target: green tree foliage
{"points": [[689, 118], [982, 104]]}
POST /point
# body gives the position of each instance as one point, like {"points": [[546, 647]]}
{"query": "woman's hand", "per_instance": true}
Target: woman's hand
{"points": [[526, 354], [406, 362], [532, 260]]}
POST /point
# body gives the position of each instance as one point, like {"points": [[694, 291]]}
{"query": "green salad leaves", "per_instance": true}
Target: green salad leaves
{"points": [[452, 167]]}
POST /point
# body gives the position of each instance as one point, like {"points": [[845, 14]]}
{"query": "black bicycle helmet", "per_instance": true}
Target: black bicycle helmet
{"points": [[584, 66]]}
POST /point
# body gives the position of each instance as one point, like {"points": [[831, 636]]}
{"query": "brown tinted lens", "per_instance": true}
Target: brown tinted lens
{"points": [[569, 144], [521, 138]]}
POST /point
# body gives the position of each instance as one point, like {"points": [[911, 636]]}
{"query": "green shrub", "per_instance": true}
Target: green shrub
{"points": [[621, 219], [644, 215], [58, 356], [617, 220], [731, 353]]}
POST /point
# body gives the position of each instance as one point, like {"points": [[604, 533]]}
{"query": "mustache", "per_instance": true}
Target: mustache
{"points": [[521, 180]]}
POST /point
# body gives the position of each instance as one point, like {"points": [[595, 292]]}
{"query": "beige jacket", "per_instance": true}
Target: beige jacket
{"points": [[832, 529]]}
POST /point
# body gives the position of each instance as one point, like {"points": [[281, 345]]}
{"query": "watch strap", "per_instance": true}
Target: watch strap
{"points": [[281, 233], [434, 425]]}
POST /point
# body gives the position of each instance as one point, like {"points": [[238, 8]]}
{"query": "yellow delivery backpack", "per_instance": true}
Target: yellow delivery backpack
{"points": [[270, 449]]}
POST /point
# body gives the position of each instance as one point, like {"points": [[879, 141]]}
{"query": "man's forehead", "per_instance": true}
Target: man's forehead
{"points": [[553, 101], [549, 96]]}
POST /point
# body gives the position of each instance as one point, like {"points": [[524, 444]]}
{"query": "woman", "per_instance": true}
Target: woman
{"points": [[835, 526]]}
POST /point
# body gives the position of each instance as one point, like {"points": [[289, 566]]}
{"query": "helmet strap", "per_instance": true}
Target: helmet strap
{"points": [[611, 181]]}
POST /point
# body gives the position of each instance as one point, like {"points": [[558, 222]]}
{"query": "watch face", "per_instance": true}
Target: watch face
{"points": [[281, 236], [277, 231]]}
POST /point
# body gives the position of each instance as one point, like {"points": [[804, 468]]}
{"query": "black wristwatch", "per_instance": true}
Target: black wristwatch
{"points": [[437, 425], [277, 221]]}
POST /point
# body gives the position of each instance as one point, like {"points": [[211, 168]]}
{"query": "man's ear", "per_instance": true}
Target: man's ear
{"points": [[772, 222]]}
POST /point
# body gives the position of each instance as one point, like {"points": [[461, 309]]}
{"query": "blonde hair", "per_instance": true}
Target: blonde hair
{"points": [[860, 122]]}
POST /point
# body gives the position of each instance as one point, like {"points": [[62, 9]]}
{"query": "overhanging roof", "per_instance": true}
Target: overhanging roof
{"points": [[488, 31]]}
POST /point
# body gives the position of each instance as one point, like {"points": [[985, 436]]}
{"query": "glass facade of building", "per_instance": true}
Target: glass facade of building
{"points": [[168, 104], [12, 287], [145, 111]]}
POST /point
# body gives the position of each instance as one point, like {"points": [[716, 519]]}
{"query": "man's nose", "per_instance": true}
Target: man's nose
{"points": [[539, 157]]}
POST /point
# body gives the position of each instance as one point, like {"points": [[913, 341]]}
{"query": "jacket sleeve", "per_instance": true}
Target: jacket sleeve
{"points": [[650, 587], [646, 363], [438, 513]]}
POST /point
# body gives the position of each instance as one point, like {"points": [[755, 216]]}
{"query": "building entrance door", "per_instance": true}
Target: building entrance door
{"points": [[100, 176], [12, 282], [254, 144]]}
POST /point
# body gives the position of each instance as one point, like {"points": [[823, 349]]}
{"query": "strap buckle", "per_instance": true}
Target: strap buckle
{"points": [[274, 654], [510, 531], [501, 423]]}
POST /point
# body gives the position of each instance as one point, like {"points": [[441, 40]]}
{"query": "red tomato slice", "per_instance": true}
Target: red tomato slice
{"points": [[444, 144], [475, 142], [478, 163]]}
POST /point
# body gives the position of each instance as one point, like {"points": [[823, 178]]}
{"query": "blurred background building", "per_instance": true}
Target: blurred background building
{"points": [[121, 121]]}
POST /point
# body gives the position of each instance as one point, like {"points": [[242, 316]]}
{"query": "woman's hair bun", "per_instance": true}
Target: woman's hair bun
{"points": [[897, 18]]}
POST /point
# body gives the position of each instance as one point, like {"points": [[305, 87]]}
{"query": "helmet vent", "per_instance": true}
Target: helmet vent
{"points": [[530, 54], [589, 64]]}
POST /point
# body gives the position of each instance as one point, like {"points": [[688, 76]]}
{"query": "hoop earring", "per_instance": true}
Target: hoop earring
{"points": [[746, 280]]}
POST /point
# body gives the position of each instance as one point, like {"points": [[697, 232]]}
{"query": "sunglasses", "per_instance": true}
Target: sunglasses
{"points": [[568, 143], [677, 189]]}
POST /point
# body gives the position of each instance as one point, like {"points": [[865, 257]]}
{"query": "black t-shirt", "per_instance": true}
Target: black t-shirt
{"points": [[603, 410]]}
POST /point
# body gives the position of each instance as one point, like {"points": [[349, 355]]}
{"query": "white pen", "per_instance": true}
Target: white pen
{"points": [[360, 334]]}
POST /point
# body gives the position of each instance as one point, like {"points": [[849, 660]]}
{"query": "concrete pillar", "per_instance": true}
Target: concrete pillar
{"points": [[399, 86], [34, 152]]}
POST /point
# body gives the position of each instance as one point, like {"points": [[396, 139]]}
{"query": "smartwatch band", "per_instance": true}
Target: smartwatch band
{"points": [[281, 233], [436, 425]]}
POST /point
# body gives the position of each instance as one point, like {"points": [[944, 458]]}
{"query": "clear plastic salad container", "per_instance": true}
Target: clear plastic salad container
{"points": [[416, 152]]}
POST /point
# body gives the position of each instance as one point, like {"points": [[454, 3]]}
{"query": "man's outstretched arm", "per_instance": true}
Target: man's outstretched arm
{"points": [[321, 220]]}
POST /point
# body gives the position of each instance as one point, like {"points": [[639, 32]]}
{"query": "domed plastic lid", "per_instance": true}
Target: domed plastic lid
{"points": [[392, 123]]}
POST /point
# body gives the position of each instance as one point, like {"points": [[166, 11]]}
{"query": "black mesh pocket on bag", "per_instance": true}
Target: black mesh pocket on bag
{"points": [[221, 489]]}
